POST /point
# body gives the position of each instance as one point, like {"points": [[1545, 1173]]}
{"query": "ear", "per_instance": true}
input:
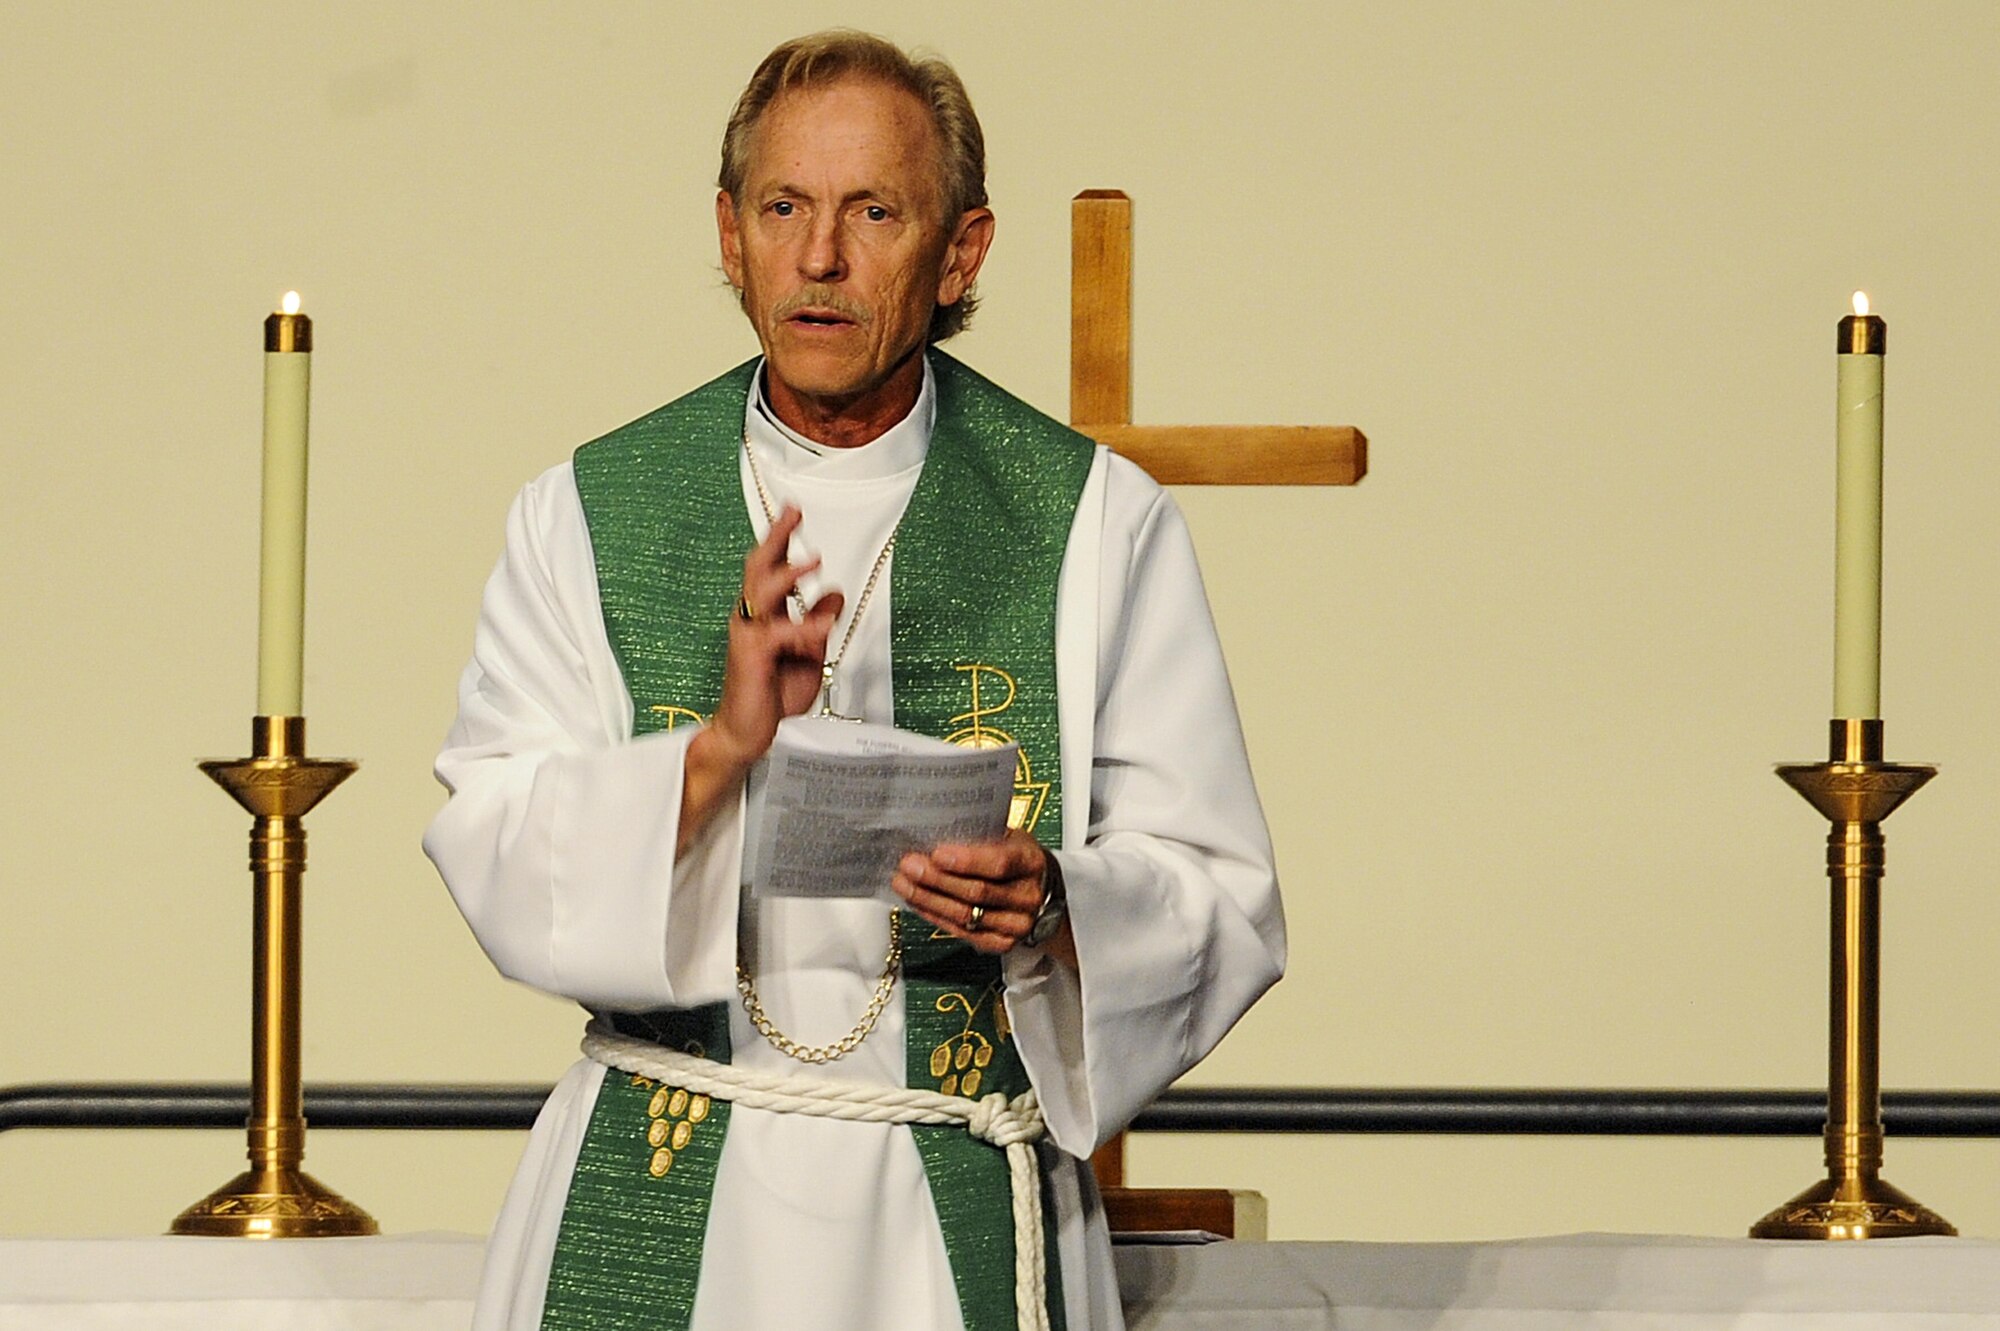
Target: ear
{"points": [[731, 238], [964, 254]]}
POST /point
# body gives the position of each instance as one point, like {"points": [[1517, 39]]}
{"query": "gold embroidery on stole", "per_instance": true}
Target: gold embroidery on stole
{"points": [[960, 1061], [1029, 794]]}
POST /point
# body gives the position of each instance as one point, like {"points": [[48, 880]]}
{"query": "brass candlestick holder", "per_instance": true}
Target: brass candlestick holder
{"points": [[274, 1198], [1856, 790]]}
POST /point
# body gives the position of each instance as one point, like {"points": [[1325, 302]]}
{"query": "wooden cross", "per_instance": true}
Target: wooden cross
{"points": [[1100, 405]]}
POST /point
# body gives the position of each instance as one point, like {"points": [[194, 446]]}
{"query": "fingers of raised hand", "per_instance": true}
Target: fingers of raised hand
{"points": [[825, 610], [771, 550], [769, 576], [765, 589]]}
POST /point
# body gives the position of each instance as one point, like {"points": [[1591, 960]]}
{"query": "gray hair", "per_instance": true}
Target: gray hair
{"points": [[825, 58]]}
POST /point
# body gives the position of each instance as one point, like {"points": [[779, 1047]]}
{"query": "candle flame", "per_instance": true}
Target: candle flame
{"points": [[1861, 302], [290, 304]]}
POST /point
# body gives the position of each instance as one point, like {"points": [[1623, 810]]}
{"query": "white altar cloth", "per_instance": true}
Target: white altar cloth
{"points": [[1586, 1282], [405, 1282], [1591, 1282]]}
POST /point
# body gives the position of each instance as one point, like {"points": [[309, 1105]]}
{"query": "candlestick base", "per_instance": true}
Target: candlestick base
{"points": [[1854, 790], [273, 1199], [1857, 1208], [274, 1203]]}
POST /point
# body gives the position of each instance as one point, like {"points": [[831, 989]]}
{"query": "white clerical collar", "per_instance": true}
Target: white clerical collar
{"points": [[896, 449]]}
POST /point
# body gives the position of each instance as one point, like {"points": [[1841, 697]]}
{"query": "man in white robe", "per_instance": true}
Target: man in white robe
{"points": [[607, 867]]}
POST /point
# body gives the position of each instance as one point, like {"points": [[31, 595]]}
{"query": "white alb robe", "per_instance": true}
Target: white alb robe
{"points": [[558, 845]]}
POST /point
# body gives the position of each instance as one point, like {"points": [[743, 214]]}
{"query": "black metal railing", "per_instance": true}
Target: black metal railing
{"points": [[1566, 1111]]}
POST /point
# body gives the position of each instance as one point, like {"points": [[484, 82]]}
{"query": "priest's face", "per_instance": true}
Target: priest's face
{"points": [[841, 252]]}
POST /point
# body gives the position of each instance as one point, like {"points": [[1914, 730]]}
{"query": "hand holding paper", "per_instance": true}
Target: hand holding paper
{"points": [[845, 801]]}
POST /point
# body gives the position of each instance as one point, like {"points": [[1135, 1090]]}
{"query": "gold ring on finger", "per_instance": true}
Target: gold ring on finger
{"points": [[978, 914], [745, 611]]}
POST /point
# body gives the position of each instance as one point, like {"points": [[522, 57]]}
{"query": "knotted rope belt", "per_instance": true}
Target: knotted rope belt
{"points": [[1013, 1125]]}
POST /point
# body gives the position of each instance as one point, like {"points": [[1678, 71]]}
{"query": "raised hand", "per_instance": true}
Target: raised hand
{"points": [[772, 672]]}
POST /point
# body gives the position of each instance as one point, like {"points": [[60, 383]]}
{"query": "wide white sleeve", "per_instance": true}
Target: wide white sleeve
{"points": [[557, 841], [1173, 895]]}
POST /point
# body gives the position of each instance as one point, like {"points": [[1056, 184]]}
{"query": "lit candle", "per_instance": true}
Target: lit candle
{"points": [[281, 605], [1857, 532]]}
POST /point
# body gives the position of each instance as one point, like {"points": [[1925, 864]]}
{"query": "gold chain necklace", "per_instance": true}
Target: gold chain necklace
{"points": [[885, 983]]}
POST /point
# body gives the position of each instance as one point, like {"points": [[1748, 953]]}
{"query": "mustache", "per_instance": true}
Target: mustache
{"points": [[822, 298]]}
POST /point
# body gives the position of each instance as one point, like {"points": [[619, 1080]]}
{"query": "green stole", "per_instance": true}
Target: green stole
{"points": [[978, 558]]}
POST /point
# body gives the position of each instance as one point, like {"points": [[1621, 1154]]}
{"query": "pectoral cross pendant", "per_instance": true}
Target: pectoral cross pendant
{"points": [[826, 695]]}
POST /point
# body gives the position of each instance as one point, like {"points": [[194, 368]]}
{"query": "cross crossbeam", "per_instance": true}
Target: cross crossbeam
{"points": [[1100, 381]]}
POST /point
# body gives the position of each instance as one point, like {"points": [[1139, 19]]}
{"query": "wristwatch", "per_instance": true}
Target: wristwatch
{"points": [[1055, 906]]}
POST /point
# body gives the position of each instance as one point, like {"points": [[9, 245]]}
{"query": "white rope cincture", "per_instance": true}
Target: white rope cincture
{"points": [[1014, 1125]]}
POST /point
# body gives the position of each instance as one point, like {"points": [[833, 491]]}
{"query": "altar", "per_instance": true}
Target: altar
{"points": [[1584, 1282]]}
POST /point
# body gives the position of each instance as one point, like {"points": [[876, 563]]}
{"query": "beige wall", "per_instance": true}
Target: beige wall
{"points": [[1574, 267]]}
